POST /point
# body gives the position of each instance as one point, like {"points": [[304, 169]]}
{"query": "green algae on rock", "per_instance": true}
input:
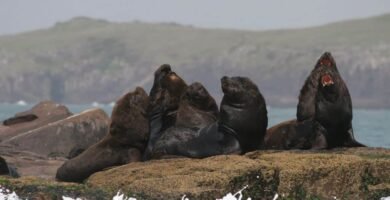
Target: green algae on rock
{"points": [[359, 173]]}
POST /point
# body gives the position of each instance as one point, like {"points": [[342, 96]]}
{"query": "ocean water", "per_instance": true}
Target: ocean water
{"points": [[371, 127]]}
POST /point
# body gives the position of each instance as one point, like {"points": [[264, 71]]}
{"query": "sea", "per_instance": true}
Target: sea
{"points": [[371, 126]]}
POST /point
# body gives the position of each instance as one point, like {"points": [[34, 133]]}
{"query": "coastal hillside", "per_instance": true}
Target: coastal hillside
{"points": [[85, 60]]}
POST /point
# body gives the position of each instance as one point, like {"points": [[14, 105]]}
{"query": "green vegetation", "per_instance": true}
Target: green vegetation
{"points": [[85, 60]]}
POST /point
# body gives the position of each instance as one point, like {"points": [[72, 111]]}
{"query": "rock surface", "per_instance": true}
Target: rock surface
{"points": [[361, 173], [31, 164], [61, 137], [46, 111]]}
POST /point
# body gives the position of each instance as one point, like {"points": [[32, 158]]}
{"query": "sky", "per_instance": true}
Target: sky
{"points": [[24, 15]]}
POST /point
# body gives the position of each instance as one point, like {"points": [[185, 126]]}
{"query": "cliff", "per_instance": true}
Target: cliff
{"points": [[85, 60]]}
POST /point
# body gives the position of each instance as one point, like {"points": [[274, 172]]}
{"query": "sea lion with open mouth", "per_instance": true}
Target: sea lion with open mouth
{"points": [[325, 98]]}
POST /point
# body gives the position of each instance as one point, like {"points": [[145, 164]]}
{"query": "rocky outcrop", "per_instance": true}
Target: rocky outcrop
{"points": [[27, 163], [45, 112], [61, 137], [360, 173]]}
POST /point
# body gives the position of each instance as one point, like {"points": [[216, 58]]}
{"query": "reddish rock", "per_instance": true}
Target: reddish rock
{"points": [[30, 164], [61, 137], [41, 114]]}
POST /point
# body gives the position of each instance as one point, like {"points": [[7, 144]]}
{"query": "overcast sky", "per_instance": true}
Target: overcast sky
{"points": [[23, 15]]}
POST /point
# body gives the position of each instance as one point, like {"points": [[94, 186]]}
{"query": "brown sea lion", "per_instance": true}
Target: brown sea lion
{"points": [[127, 139], [165, 96], [292, 134], [240, 128]]}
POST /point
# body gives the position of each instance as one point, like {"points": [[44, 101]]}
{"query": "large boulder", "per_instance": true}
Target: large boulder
{"points": [[41, 114], [61, 137], [345, 173]]}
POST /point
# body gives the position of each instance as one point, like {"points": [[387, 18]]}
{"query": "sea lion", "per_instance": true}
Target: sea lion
{"points": [[292, 134], [240, 128], [4, 170], [197, 109], [127, 139], [307, 97], [19, 119], [7, 170], [325, 98], [165, 96]]}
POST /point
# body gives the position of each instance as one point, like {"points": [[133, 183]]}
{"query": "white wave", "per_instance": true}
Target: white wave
{"points": [[119, 196], [21, 103], [69, 198], [385, 198], [96, 104], [6, 194]]}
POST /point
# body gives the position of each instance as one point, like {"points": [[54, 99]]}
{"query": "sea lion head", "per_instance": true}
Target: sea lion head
{"points": [[240, 91], [198, 96], [326, 61], [161, 72], [173, 83], [129, 123], [167, 89], [139, 98], [159, 75]]}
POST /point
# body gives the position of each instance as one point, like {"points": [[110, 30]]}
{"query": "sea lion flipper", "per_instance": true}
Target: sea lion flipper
{"points": [[351, 141], [306, 106], [156, 124], [319, 141]]}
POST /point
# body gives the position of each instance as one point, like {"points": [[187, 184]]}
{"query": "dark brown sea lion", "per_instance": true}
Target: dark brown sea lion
{"points": [[19, 119], [127, 139], [197, 109], [4, 170], [241, 126], [292, 134], [325, 98], [165, 96]]}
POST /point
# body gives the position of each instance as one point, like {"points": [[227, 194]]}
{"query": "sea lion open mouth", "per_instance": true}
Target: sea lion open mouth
{"points": [[326, 80]]}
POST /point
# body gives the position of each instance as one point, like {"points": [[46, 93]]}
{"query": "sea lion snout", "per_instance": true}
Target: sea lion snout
{"points": [[228, 85], [326, 60]]}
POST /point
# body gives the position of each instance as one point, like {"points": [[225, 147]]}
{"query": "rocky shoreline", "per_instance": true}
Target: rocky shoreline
{"points": [[358, 173]]}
